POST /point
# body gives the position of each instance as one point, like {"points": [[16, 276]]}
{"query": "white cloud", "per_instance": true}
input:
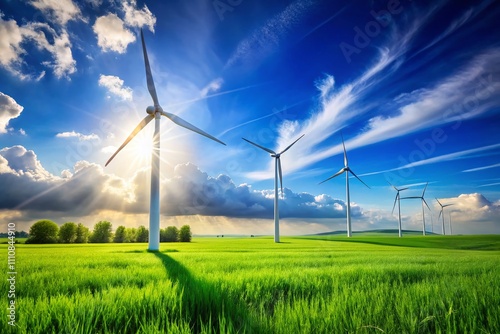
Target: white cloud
{"points": [[11, 50], [325, 85], [22, 163], [77, 135], [63, 63], [60, 11], [115, 86], [470, 213], [45, 38], [138, 17], [109, 149], [112, 35], [9, 109], [212, 87], [189, 191]]}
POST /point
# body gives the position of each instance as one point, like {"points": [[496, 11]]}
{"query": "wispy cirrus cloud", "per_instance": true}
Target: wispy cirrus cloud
{"points": [[480, 168], [456, 24], [467, 93], [77, 135], [268, 38], [465, 154]]}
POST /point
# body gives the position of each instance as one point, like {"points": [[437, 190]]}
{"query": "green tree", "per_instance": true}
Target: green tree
{"points": [[102, 232], [82, 234], [43, 232], [131, 234], [169, 234], [185, 233], [67, 233], [142, 234], [120, 234]]}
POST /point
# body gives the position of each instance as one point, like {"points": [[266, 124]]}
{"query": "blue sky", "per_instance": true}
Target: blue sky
{"points": [[413, 87]]}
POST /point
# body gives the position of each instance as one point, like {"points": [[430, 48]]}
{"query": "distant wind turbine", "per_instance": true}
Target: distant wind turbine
{"points": [[451, 230], [347, 170], [155, 112], [423, 202], [398, 199], [442, 214], [277, 171]]}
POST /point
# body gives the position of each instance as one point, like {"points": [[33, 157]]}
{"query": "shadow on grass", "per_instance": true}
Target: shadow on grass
{"points": [[206, 306]]}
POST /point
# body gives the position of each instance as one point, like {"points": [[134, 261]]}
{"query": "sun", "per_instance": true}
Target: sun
{"points": [[142, 147]]}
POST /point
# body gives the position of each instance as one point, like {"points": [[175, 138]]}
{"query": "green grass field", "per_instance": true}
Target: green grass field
{"points": [[324, 284]]}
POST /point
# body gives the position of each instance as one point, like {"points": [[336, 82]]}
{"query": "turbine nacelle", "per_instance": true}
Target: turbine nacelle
{"points": [[151, 110]]}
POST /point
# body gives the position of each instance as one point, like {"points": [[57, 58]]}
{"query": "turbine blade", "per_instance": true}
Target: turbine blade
{"points": [[281, 176], [392, 186], [179, 121], [349, 170], [138, 128], [334, 175], [410, 197], [149, 76], [261, 147], [440, 213], [444, 206], [423, 193], [286, 149], [423, 200], [403, 189], [345, 153], [394, 206], [439, 202]]}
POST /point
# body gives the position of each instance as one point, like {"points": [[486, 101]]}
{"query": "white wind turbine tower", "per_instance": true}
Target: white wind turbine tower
{"points": [[442, 214], [155, 112], [347, 170], [423, 209], [451, 230], [398, 198], [277, 171]]}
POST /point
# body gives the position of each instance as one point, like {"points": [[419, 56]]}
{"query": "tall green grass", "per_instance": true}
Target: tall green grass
{"points": [[256, 286]]}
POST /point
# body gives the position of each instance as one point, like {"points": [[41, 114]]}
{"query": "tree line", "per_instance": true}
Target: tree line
{"points": [[46, 232]]}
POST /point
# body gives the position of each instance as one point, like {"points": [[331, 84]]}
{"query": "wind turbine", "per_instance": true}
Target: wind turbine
{"points": [[155, 112], [442, 214], [451, 231], [277, 170], [347, 170], [423, 202], [398, 198]]}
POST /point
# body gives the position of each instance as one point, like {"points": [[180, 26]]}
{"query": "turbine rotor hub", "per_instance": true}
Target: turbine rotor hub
{"points": [[151, 110]]}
